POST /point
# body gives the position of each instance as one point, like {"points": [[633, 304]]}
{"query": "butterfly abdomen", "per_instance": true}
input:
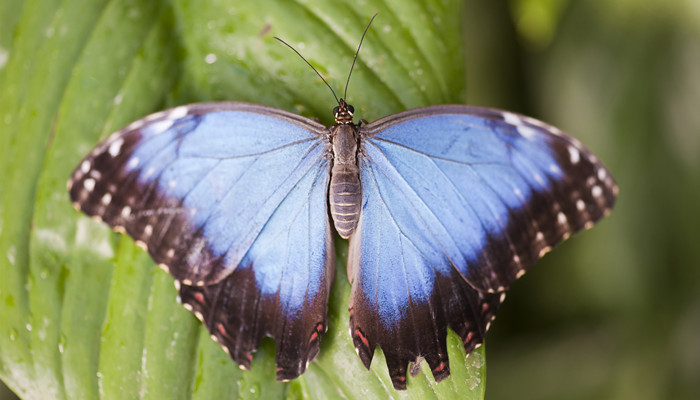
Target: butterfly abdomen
{"points": [[345, 192], [345, 197]]}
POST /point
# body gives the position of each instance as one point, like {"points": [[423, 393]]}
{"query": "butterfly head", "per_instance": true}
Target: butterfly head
{"points": [[343, 113]]}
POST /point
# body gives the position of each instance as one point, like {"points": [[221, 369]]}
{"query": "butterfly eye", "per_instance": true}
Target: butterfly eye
{"points": [[351, 109], [335, 111]]}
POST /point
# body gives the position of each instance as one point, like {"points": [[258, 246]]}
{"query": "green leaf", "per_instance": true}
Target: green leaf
{"points": [[84, 312]]}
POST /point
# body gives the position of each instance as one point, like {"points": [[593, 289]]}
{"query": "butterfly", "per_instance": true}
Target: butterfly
{"points": [[444, 206]]}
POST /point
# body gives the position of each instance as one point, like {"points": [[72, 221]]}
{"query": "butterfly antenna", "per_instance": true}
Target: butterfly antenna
{"points": [[345, 94], [312, 67]]}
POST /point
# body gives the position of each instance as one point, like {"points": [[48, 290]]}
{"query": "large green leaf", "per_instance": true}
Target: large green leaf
{"points": [[84, 312]]}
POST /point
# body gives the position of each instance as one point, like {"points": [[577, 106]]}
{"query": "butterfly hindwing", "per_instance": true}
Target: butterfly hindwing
{"points": [[230, 198], [275, 291], [458, 202]]}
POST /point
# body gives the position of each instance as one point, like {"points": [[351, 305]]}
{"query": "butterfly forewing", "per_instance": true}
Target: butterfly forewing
{"points": [[458, 202], [230, 198]]}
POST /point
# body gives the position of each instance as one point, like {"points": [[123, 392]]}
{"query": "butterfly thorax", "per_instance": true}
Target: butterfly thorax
{"points": [[345, 191]]}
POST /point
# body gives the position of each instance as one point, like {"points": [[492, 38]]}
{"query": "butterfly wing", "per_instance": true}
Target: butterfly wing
{"points": [[230, 198], [458, 202]]}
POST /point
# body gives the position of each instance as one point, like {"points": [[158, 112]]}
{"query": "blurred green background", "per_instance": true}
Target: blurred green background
{"points": [[613, 313]]}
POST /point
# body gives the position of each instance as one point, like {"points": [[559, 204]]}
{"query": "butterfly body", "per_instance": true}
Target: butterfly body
{"points": [[445, 207], [345, 191]]}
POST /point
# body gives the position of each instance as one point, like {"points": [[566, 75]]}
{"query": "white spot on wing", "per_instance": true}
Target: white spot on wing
{"points": [[512, 119], [133, 163], [561, 218], [178, 112], [126, 211], [602, 174], [159, 127], [596, 191], [527, 132], [89, 184], [574, 155], [85, 166], [107, 198], [148, 230], [116, 147], [580, 205]]}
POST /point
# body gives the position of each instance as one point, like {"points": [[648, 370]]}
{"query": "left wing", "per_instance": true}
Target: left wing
{"points": [[458, 202], [230, 199]]}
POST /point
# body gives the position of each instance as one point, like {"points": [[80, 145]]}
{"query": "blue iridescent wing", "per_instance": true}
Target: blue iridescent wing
{"points": [[230, 198], [458, 202]]}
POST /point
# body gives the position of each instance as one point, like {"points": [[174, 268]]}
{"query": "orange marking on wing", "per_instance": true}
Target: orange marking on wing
{"points": [[440, 367], [199, 297], [362, 337], [469, 337]]}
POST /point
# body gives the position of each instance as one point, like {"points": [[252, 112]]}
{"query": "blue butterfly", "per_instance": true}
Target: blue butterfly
{"points": [[445, 207]]}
